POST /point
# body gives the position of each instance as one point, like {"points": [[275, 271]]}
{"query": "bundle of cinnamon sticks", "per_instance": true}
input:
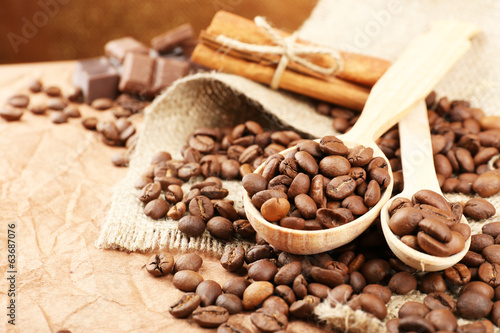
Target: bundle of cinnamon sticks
{"points": [[348, 85]]}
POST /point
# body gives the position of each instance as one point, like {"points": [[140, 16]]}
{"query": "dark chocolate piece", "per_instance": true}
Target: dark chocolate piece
{"points": [[166, 72], [97, 78], [172, 38], [118, 48]]}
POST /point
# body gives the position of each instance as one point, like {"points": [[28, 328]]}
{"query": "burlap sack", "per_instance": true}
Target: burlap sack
{"points": [[381, 28]]}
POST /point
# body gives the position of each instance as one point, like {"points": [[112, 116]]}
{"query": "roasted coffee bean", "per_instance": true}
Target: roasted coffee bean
{"points": [[269, 320], [330, 218], [334, 165], [457, 275], [191, 225], [479, 287], [19, 100], [188, 171], [435, 229], [287, 273], [256, 293], [174, 194], [156, 209], [231, 302], [262, 270], [360, 156], [492, 253], [400, 266], [230, 169], [340, 187], [375, 270], [177, 211], [244, 228], [185, 305], [310, 146], [495, 313], [141, 182], [487, 184], [492, 229], [72, 112], [432, 282], [150, 192], [213, 192], [431, 245], [307, 162], [378, 290], [355, 204], [161, 156], [399, 203], [318, 290], [188, 261], [431, 198], [286, 293], [236, 286], [102, 103], [304, 308], [220, 227], [210, 316], [381, 176], [490, 274], [187, 280], [232, 328], [275, 209], [260, 197], [331, 278], [413, 309], [306, 206], [202, 143], [357, 282], [439, 300], [479, 209], [479, 242], [372, 194], [402, 283], [258, 252], [276, 303], [233, 258], [292, 222], [56, 104], [299, 185], [40, 109], [160, 264], [472, 305], [339, 294], [331, 145], [202, 207], [300, 286], [415, 323], [369, 303], [35, 86], [250, 154], [208, 290], [405, 221], [58, 118], [472, 259]]}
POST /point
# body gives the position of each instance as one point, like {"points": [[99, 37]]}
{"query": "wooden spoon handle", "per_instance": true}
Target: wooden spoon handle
{"points": [[412, 77], [416, 152]]}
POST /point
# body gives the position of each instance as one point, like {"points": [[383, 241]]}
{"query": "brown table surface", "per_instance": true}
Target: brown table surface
{"points": [[56, 183]]}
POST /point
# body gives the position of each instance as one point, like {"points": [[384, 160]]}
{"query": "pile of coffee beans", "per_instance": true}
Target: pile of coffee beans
{"points": [[429, 223], [318, 185], [463, 141], [210, 153], [363, 275], [117, 133]]}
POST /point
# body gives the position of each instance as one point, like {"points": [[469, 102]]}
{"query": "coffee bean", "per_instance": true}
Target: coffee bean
{"points": [[340, 294], [35, 86], [188, 261], [495, 313], [431, 245], [490, 274], [277, 304], [375, 270], [258, 252], [439, 300], [340, 187], [202, 207], [402, 283], [318, 290], [185, 305], [286, 293], [72, 112], [231, 302], [262, 270], [472, 305], [236, 286], [288, 273], [259, 198], [156, 209], [300, 286], [415, 324], [187, 280], [369, 303], [191, 225], [232, 328], [479, 287], [331, 145], [380, 291], [457, 275], [210, 316], [256, 293], [355, 204], [405, 221], [479, 209], [233, 258], [479, 242], [275, 209], [52, 91], [492, 229], [269, 320], [410, 309], [487, 184], [220, 227], [334, 165], [208, 290], [357, 282], [19, 101], [10, 114], [435, 229], [472, 328], [160, 264], [304, 308], [102, 103]]}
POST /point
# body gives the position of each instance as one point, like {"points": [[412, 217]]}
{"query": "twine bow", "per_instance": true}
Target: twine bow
{"points": [[287, 48]]}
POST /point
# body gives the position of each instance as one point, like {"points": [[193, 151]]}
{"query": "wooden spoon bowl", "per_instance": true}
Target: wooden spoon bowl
{"points": [[408, 81]]}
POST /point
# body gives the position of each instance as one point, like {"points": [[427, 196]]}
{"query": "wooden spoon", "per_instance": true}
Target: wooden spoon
{"points": [[419, 174], [409, 80]]}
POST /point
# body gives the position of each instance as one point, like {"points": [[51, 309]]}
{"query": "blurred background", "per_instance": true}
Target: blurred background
{"points": [[45, 30]]}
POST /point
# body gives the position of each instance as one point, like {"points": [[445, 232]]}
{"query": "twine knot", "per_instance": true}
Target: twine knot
{"points": [[287, 48]]}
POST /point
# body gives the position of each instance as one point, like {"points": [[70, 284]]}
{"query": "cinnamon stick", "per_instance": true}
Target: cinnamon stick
{"points": [[357, 68], [335, 90]]}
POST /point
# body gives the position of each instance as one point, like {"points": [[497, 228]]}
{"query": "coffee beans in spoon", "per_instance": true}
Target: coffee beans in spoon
{"points": [[325, 184]]}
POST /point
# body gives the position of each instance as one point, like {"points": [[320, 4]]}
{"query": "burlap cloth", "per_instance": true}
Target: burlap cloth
{"points": [[381, 29]]}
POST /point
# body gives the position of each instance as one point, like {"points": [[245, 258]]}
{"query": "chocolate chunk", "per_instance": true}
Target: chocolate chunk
{"points": [[97, 78], [167, 71], [118, 48], [137, 74], [172, 38]]}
